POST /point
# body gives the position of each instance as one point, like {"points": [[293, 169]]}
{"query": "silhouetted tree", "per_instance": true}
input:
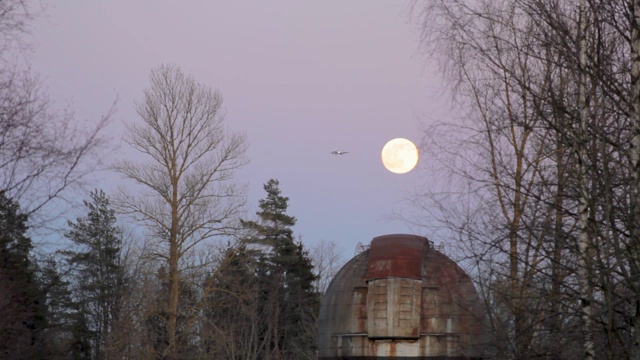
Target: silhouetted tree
{"points": [[67, 334], [97, 271], [43, 152], [547, 160], [232, 321], [287, 279], [22, 305]]}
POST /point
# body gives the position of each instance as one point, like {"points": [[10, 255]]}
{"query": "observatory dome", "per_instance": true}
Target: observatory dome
{"points": [[401, 299]]}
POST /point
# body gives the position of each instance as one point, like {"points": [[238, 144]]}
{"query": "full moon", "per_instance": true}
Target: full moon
{"points": [[400, 156]]}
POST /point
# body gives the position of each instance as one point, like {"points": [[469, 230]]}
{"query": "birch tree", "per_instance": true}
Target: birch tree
{"points": [[507, 158], [581, 85]]}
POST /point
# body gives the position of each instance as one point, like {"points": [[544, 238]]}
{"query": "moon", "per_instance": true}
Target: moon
{"points": [[400, 156]]}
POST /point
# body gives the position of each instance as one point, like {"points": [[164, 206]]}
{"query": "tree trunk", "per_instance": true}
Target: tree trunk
{"points": [[276, 328], [559, 238], [634, 154], [583, 202], [173, 302], [174, 284]]}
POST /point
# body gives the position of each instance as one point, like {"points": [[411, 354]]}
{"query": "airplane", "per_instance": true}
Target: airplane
{"points": [[339, 152]]}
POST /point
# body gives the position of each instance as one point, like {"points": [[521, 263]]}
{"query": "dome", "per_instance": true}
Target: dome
{"points": [[401, 298]]}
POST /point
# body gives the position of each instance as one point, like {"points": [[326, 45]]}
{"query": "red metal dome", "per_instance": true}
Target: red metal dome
{"points": [[401, 298]]}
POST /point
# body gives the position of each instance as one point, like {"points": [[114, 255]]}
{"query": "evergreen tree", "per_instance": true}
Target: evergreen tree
{"points": [[67, 333], [97, 269], [232, 323], [287, 278], [22, 308]]}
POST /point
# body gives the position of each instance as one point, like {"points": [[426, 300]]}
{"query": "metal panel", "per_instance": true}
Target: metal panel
{"points": [[393, 308], [395, 256]]}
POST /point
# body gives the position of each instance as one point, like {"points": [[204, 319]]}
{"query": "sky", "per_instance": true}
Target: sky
{"points": [[299, 78]]}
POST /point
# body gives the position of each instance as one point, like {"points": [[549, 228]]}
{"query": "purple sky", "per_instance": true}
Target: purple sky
{"points": [[300, 78]]}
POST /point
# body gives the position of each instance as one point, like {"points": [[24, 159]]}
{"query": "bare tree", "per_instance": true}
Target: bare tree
{"points": [[186, 191], [584, 235], [233, 314], [327, 261], [43, 152], [573, 68], [506, 159], [605, 52]]}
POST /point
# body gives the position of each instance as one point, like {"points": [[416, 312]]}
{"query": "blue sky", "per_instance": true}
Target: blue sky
{"points": [[299, 78]]}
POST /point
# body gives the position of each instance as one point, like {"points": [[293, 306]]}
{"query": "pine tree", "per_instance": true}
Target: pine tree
{"points": [[97, 269], [231, 321], [287, 277], [22, 307], [67, 334]]}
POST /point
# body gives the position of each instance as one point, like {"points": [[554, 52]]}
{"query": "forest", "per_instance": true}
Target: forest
{"points": [[171, 267], [540, 162], [542, 168]]}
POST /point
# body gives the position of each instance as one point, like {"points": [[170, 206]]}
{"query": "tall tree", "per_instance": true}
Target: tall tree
{"points": [[579, 81], [288, 278], [186, 193], [97, 268], [22, 305], [584, 235], [510, 158]]}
